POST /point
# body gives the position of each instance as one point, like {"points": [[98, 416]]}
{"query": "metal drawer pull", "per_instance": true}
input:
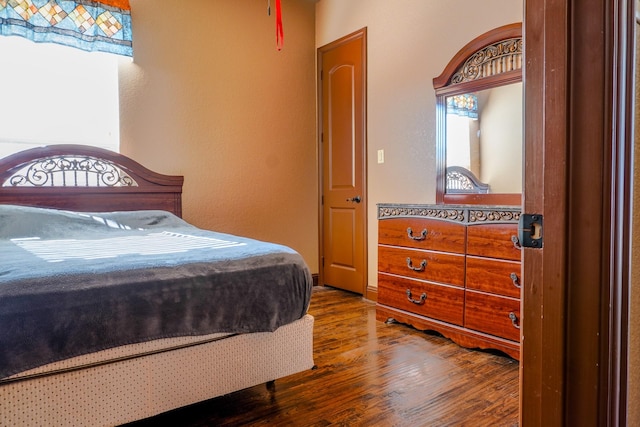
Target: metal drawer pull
{"points": [[514, 320], [515, 279], [422, 235], [516, 242], [420, 301], [423, 265]]}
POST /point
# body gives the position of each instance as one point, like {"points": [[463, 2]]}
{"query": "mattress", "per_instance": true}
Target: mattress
{"points": [[76, 283]]}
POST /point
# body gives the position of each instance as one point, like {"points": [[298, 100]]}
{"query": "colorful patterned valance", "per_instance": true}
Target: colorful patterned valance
{"points": [[103, 25]]}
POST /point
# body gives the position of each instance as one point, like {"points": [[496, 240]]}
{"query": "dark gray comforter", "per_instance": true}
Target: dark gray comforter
{"points": [[73, 283]]}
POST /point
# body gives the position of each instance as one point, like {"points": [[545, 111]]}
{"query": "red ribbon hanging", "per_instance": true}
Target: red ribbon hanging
{"points": [[279, 29]]}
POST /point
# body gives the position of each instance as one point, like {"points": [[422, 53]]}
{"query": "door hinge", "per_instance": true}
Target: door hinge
{"points": [[530, 231]]}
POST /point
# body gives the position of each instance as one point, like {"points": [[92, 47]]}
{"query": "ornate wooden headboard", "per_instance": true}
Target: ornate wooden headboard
{"points": [[82, 178]]}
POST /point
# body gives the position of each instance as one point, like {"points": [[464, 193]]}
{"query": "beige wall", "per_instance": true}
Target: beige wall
{"points": [[501, 136], [209, 97], [409, 43]]}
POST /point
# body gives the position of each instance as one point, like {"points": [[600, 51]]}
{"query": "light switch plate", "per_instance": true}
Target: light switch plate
{"points": [[380, 156]]}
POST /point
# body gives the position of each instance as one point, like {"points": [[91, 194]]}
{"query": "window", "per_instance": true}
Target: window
{"points": [[53, 94]]}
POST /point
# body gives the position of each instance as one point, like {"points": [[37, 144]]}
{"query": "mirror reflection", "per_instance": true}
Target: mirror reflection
{"points": [[484, 136]]}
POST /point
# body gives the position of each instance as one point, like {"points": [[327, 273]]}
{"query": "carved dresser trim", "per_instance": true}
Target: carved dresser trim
{"points": [[471, 214]]}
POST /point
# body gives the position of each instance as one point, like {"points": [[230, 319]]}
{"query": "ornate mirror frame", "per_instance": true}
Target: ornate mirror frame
{"points": [[490, 60]]}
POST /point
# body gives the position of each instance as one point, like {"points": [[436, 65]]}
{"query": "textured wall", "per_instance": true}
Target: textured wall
{"points": [[409, 43], [208, 96]]}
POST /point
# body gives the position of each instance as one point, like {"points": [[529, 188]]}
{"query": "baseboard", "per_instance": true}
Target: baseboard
{"points": [[371, 293]]}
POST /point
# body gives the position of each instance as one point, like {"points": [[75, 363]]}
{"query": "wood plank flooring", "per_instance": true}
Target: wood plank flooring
{"points": [[370, 374]]}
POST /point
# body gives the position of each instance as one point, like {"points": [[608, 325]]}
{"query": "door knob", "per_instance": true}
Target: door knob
{"points": [[356, 199]]}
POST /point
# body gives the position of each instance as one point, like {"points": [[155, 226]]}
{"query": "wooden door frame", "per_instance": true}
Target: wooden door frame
{"points": [[578, 142], [361, 33]]}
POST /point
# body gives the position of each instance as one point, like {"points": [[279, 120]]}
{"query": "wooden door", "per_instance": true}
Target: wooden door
{"points": [[578, 135], [342, 68]]}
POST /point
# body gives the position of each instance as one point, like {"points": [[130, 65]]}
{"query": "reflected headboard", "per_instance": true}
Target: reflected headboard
{"points": [[86, 179], [461, 180]]}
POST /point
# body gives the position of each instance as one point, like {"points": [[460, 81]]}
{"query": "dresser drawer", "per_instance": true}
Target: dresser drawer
{"points": [[440, 302], [422, 233], [493, 240], [492, 314], [494, 275], [424, 265]]}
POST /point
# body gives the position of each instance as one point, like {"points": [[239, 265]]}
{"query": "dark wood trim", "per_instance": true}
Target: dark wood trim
{"points": [[145, 176], [614, 393], [492, 36], [578, 137], [513, 76], [152, 190], [443, 87], [589, 145], [545, 76]]}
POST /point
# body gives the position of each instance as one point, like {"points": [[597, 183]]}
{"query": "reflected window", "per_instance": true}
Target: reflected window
{"points": [[465, 105], [463, 134]]}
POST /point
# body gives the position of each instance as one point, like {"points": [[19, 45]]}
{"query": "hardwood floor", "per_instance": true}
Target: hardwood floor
{"points": [[370, 374]]}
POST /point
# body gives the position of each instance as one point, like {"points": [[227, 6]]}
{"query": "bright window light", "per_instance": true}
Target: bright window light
{"points": [[54, 94], [458, 146]]}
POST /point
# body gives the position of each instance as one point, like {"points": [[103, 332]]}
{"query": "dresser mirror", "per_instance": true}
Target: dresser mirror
{"points": [[479, 128]]}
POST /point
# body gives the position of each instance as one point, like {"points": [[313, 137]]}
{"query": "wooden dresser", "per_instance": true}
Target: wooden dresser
{"points": [[452, 269]]}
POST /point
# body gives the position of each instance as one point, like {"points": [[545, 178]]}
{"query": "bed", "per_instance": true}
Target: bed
{"points": [[114, 309]]}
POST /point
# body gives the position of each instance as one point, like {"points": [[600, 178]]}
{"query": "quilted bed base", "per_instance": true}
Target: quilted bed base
{"points": [[125, 391]]}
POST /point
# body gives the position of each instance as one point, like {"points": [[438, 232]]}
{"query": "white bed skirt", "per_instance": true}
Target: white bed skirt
{"points": [[129, 390]]}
